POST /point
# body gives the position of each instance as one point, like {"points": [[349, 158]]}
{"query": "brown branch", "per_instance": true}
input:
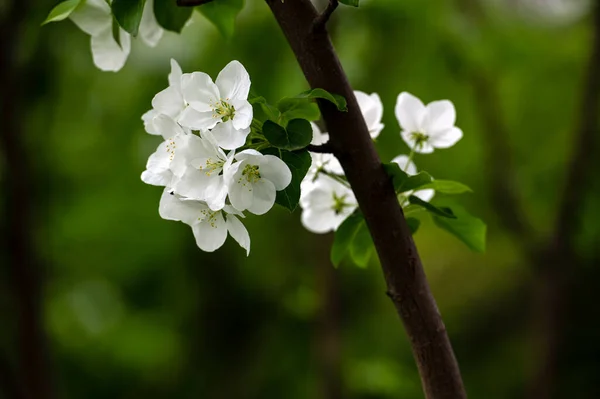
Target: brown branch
{"points": [[192, 3], [324, 148], [352, 144], [321, 20], [23, 265]]}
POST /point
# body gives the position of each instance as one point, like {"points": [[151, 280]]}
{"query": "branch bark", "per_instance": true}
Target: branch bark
{"points": [[406, 282]]}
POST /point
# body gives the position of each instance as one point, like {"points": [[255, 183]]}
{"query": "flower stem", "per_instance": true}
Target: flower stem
{"points": [[335, 177]]}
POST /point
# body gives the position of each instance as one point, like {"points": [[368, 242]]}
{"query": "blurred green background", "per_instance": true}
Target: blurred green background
{"points": [[131, 308]]}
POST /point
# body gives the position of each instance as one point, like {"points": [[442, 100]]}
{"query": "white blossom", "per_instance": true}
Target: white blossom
{"points": [[221, 106], [325, 205], [254, 179], [409, 167], [95, 18], [168, 101], [210, 227], [372, 110], [426, 127]]}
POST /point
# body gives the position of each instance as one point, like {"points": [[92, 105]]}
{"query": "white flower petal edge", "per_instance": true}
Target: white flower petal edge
{"points": [[372, 109], [411, 169], [150, 31]]}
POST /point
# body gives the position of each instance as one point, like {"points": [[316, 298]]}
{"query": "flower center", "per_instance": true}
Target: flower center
{"points": [[251, 173], [224, 110], [419, 138], [339, 204], [208, 216], [171, 148], [211, 166]]}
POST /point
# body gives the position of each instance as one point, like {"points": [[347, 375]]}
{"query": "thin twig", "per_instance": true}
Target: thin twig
{"points": [[320, 21], [325, 148], [192, 3]]}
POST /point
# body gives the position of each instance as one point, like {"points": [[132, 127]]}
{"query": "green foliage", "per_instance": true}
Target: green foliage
{"points": [[352, 238], [447, 187], [292, 108], [362, 246], [295, 136], [263, 110], [413, 224], [402, 181], [299, 162], [222, 14], [467, 228], [353, 3], [444, 212], [336, 99], [171, 17], [129, 14], [61, 11]]}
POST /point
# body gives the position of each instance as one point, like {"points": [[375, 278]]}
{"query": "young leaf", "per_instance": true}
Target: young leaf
{"points": [[298, 108], [171, 17], [402, 181], [362, 246], [336, 99], [222, 14], [263, 110], [61, 11], [413, 224], [445, 212], [297, 135], [467, 228], [129, 14], [344, 237], [299, 163], [353, 3], [447, 187]]}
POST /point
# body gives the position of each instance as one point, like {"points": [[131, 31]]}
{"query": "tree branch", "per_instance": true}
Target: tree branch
{"points": [[321, 20], [402, 268], [192, 3], [325, 148]]}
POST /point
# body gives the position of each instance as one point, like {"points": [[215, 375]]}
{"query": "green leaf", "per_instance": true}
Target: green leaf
{"points": [[295, 136], [170, 16], [222, 14], [62, 11], [413, 224], [447, 187], [336, 99], [298, 108], [129, 14], [445, 212], [299, 162], [353, 3], [116, 31], [403, 182], [467, 228], [362, 246], [344, 236]]}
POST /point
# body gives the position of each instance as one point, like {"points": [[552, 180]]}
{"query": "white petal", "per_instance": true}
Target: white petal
{"points": [[172, 208], [239, 233], [148, 125], [169, 102], [166, 126], [446, 138], [193, 183], [440, 116], [157, 179], [243, 114], [276, 171], [319, 221], [410, 112], [332, 164], [426, 195], [199, 91], [107, 54], [318, 137], [92, 16], [175, 76], [211, 233], [240, 191], [160, 159], [197, 120], [233, 81], [150, 31], [215, 193], [263, 197], [423, 148], [228, 137], [405, 164], [372, 110], [249, 154]]}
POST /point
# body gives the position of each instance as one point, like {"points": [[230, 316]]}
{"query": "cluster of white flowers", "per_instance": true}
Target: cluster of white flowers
{"points": [[327, 199], [95, 18], [208, 185]]}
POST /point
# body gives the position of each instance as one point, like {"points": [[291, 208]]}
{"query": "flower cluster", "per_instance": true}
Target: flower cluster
{"points": [[327, 199], [209, 178]]}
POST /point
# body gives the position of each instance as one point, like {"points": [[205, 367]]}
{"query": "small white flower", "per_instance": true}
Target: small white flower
{"points": [[221, 106], [210, 227], [410, 169], [325, 204], [95, 18], [372, 110], [253, 180], [426, 127], [159, 169], [200, 166], [321, 162], [168, 101]]}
